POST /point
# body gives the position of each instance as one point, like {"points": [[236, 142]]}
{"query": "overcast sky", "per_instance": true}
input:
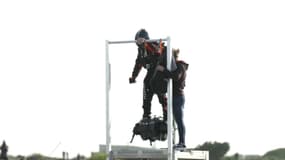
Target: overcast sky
{"points": [[52, 72]]}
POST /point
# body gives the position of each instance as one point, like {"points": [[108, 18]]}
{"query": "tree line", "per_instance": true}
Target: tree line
{"points": [[217, 151]]}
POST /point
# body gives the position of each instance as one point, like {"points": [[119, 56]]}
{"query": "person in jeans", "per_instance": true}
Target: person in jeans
{"points": [[178, 76]]}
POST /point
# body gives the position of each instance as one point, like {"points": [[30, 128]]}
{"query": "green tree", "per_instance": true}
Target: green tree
{"points": [[276, 154], [36, 156], [216, 150], [235, 156]]}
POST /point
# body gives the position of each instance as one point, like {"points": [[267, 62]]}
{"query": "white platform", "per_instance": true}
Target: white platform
{"points": [[134, 152]]}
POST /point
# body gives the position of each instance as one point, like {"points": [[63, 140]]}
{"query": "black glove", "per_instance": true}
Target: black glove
{"points": [[132, 80]]}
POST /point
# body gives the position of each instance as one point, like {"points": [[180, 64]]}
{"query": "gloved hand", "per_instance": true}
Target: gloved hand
{"points": [[132, 80]]}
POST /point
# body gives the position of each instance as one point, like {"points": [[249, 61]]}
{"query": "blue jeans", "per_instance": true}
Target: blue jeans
{"points": [[178, 106]]}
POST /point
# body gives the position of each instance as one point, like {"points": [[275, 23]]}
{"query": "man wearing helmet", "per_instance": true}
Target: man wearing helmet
{"points": [[148, 57]]}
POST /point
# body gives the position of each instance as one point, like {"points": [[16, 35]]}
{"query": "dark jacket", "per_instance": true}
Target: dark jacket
{"points": [[178, 76], [146, 58]]}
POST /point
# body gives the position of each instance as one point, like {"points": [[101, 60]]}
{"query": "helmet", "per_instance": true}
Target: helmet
{"points": [[142, 33]]}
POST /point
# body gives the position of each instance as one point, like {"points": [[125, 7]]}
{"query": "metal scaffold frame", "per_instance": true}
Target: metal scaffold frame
{"points": [[170, 154]]}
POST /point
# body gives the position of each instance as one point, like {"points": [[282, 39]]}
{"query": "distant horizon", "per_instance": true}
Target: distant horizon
{"points": [[136, 146]]}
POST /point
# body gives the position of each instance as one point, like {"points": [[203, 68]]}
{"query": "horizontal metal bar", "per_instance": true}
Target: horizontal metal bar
{"points": [[134, 41]]}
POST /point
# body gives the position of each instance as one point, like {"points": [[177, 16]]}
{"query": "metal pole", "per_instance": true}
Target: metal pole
{"points": [[108, 123], [169, 104], [134, 41]]}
